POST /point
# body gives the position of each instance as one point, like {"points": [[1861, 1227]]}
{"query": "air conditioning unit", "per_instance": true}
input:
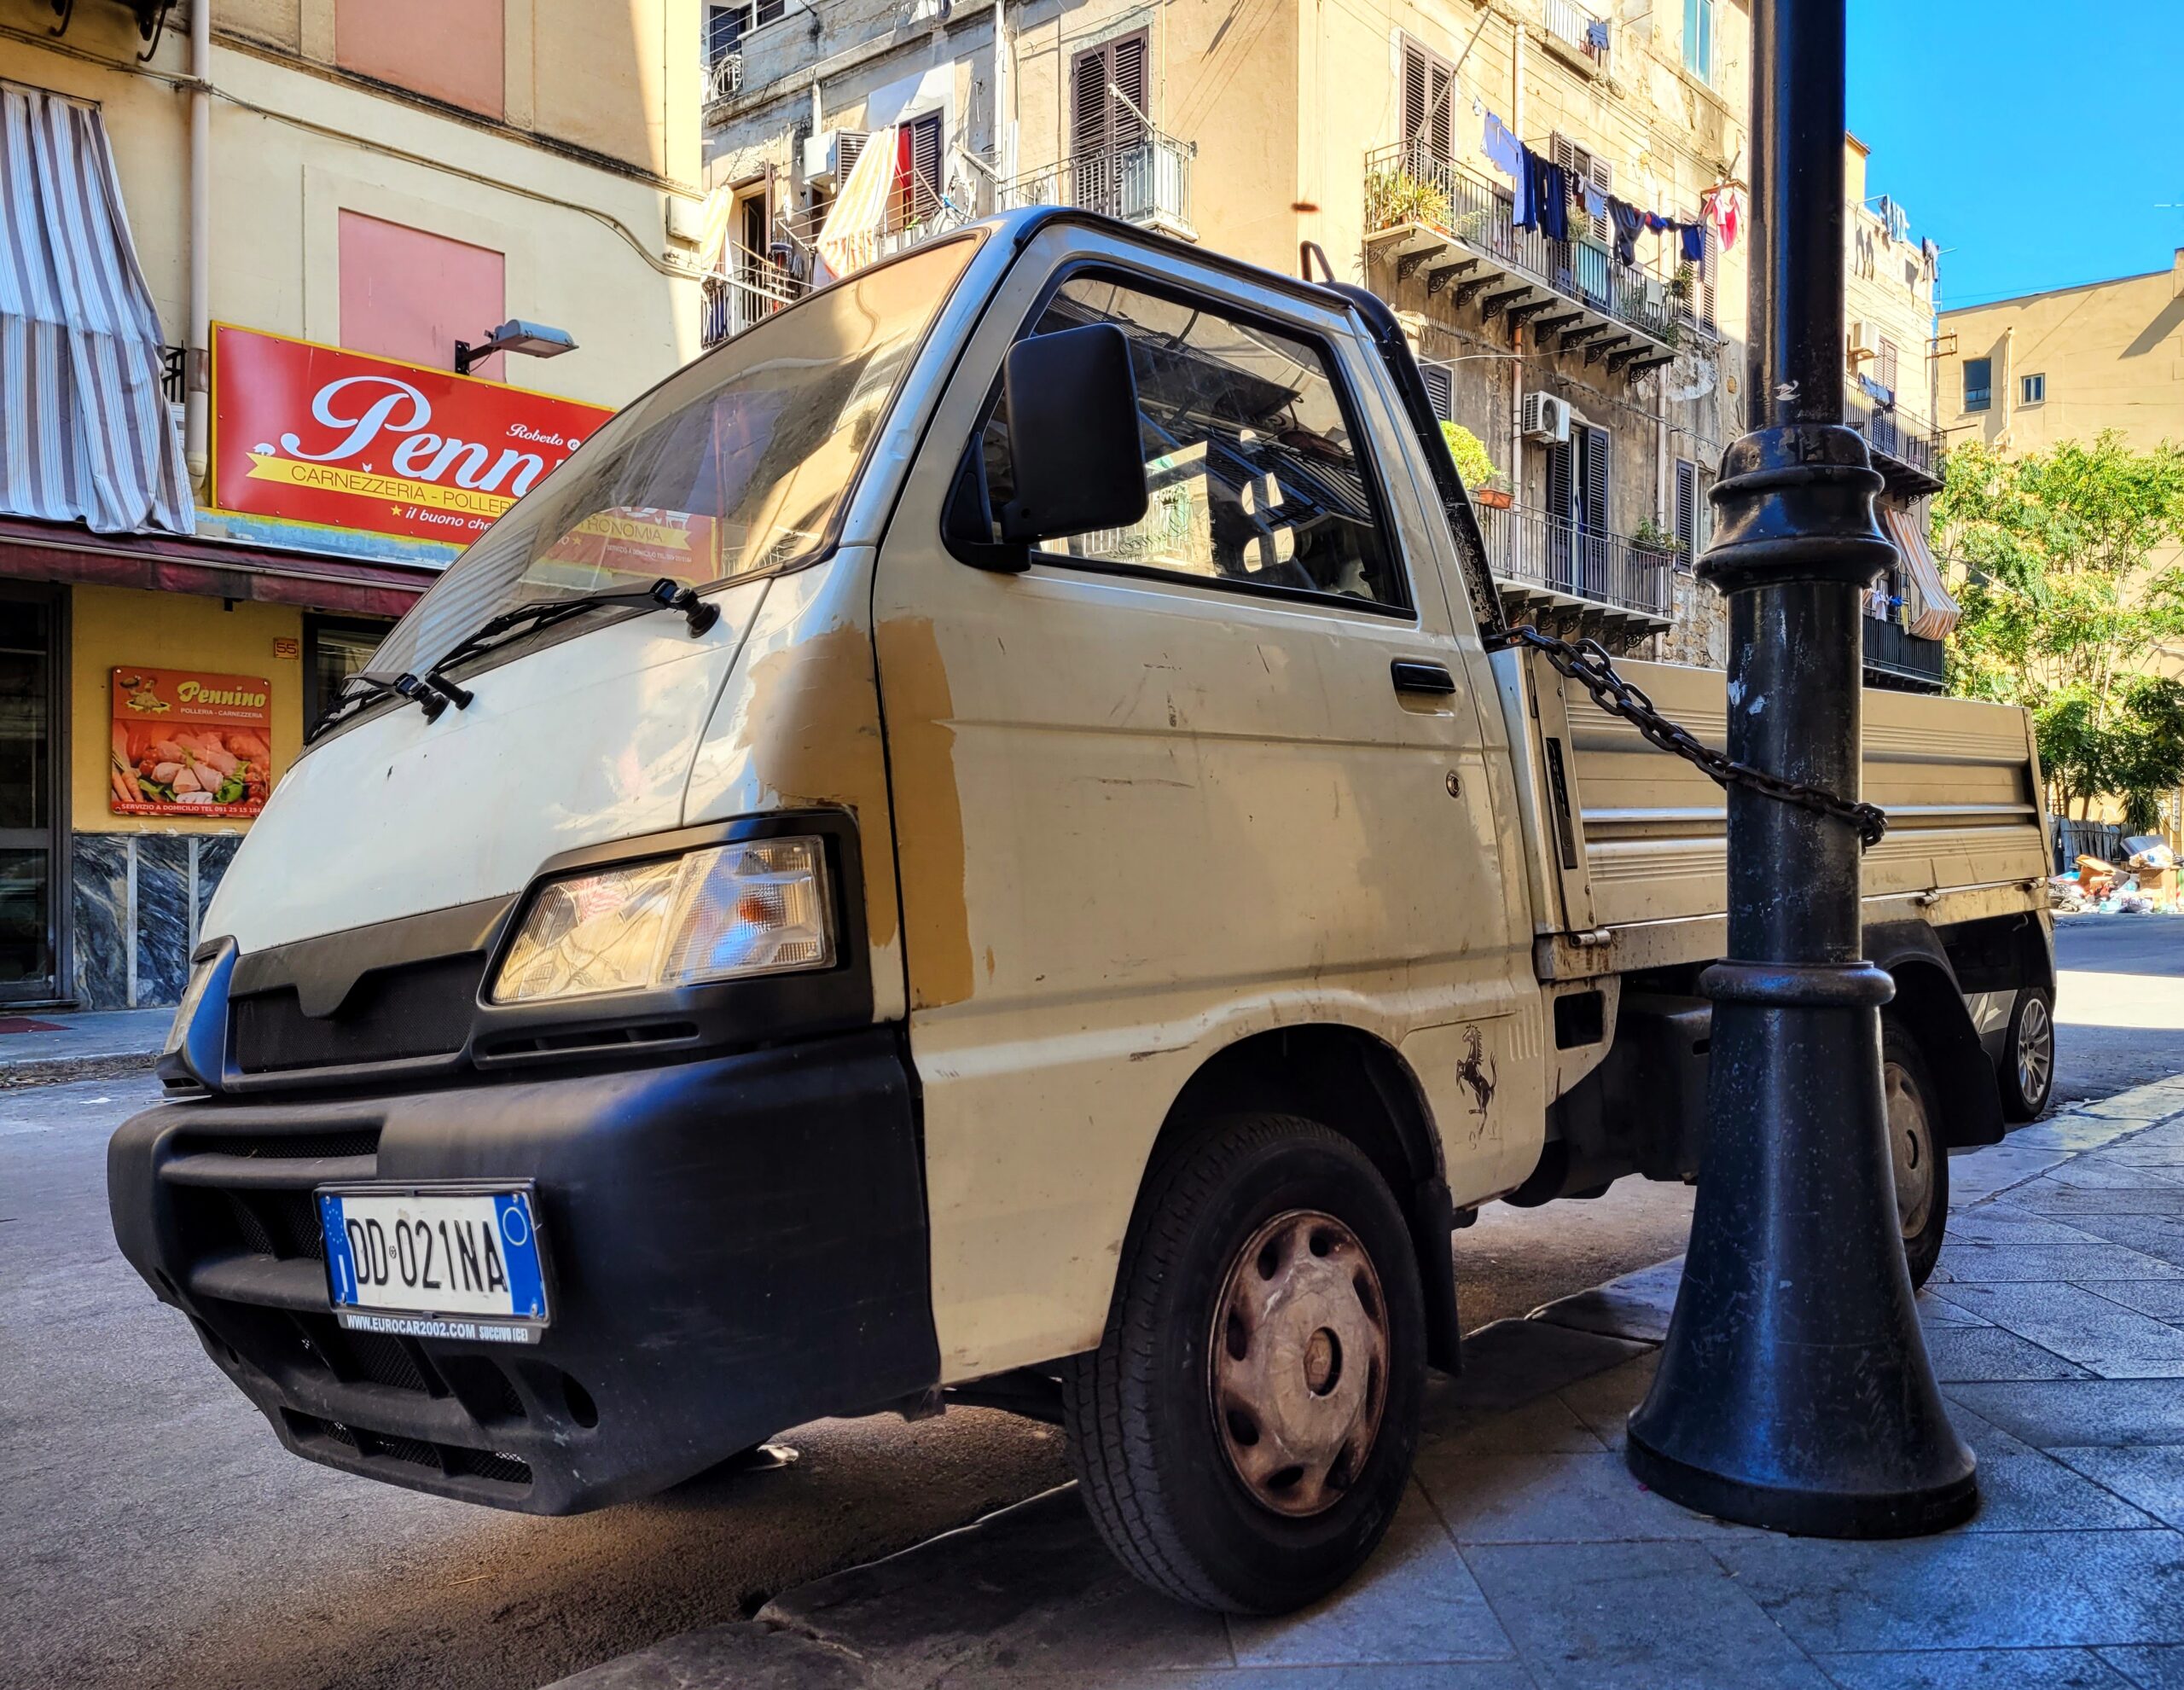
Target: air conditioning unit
{"points": [[829, 158], [1865, 340], [1545, 417]]}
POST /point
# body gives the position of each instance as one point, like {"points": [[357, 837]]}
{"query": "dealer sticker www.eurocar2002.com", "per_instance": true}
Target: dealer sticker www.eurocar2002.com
{"points": [[423, 1263]]}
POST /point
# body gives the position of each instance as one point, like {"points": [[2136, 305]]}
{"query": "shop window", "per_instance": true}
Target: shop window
{"points": [[2032, 390], [410, 294], [1978, 384], [334, 649], [449, 49]]}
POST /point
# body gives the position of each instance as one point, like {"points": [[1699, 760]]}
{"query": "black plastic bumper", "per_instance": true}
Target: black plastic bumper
{"points": [[736, 1245]]}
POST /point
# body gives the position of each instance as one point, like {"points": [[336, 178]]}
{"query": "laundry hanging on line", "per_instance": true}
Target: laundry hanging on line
{"points": [[1630, 222], [1502, 149], [1723, 207], [1543, 197]]}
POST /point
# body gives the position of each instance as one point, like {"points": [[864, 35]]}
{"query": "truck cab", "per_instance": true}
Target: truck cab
{"points": [[969, 847]]}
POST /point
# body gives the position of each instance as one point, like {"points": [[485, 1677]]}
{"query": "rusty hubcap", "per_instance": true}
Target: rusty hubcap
{"points": [[1299, 1362]]}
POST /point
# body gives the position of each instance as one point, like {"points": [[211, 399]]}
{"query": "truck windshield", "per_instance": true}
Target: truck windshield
{"points": [[739, 464]]}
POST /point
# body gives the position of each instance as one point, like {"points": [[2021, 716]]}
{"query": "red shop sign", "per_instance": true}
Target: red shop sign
{"points": [[317, 434]]}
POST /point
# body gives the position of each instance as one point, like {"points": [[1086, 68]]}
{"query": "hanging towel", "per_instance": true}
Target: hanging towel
{"points": [[1939, 616], [1629, 222], [1502, 147], [1596, 36], [850, 239], [1694, 241], [1595, 202], [1723, 207]]}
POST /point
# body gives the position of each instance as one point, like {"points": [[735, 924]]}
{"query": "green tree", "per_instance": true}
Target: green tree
{"points": [[2071, 588], [1473, 464]]}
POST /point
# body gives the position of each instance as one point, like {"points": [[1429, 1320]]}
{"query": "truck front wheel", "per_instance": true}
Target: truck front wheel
{"points": [[1921, 1164], [1244, 1431]]}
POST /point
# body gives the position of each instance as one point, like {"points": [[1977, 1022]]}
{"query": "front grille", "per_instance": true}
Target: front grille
{"points": [[418, 1009], [385, 1360], [452, 1459], [282, 1224], [281, 1146]]}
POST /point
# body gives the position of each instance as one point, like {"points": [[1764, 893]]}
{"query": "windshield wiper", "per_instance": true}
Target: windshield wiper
{"points": [[432, 692], [430, 695], [536, 614]]}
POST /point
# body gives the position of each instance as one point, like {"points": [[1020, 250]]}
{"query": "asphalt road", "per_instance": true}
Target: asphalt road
{"points": [[152, 1533]]}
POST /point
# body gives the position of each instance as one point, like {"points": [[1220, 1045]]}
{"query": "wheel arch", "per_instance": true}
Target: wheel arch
{"points": [[1930, 1002], [1356, 1084]]}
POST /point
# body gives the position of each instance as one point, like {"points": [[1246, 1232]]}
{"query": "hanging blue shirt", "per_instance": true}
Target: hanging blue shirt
{"points": [[1502, 148]]}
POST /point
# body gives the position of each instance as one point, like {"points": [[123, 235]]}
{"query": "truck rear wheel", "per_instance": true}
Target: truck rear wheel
{"points": [[1921, 1163], [2027, 1071], [1244, 1431]]}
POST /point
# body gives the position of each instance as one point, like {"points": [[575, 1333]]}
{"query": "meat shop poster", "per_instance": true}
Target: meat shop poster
{"points": [[315, 434], [190, 744]]}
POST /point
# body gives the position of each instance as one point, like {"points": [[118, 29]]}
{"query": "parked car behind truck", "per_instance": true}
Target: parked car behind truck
{"points": [[1050, 902]]}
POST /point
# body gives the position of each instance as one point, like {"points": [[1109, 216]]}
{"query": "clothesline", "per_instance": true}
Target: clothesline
{"points": [[1544, 190]]}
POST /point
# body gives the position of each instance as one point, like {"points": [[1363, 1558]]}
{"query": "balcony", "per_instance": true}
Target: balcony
{"points": [[1563, 579], [1897, 659], [1424, 212], [1907, 450], [1575, 34], [723, 81], [754, 287], [1147, 182]]}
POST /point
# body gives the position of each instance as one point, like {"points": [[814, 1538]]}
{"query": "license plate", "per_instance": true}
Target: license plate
{"points": [[446, 1263]]}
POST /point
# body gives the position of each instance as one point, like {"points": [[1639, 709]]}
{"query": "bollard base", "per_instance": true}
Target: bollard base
{"points": [[1805, 1514]]}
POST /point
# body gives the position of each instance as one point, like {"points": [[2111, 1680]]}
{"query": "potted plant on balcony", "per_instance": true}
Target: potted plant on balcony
{"points": [[1395, 197], [1486, 483], [1650, 538]]}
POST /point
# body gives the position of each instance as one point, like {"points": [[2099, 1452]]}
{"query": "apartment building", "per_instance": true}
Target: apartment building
{"points": [[1890, 398], [1601, 378], [279, 281], [2070, 363]]}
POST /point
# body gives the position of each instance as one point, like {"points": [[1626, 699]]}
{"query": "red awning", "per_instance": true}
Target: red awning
{"points": [[160, 563]]}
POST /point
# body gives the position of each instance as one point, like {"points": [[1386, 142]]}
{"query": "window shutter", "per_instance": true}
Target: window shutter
{"points": [[770, 11], [1687, 507], [1428, 122], [1129, 77], [1089, 125], [1887, 361], [925, 157], [1595, 514], [1560, 507], [1440, 389], [847, 149], [1709, 267]]}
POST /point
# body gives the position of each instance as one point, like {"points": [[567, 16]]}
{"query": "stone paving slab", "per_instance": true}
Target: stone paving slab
{"points": [[1527, 1557]]}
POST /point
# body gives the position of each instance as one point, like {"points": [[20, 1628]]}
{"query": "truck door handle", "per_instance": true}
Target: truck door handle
{"points": [[1412, 675]]}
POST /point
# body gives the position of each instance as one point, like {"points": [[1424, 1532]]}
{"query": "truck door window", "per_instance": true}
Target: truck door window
{"points": [[1251, 460]]}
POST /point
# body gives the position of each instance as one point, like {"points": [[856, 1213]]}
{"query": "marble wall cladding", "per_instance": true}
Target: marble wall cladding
{"points": [[99, 900], [161, 934]]}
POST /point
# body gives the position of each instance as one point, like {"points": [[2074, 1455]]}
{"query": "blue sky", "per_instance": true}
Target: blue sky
{"points": [[2033, 142]]}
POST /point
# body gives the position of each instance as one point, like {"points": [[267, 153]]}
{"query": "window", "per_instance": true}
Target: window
{"points": [[1251, 457], [2033, 390], [919, 191], [1688, 507], [727, 26], [1585, 166], [406, 293], [448, 49], [333, 650], [1699, 38], [1889, 365], [1427, 119], [1440, 380], [1109, 112], [1978, 384]]}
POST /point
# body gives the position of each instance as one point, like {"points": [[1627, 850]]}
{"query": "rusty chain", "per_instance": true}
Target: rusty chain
{"points": [[1587, 662]]}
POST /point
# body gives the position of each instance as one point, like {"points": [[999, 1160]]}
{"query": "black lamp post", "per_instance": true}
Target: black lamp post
{"points": [[1794, 1392]]}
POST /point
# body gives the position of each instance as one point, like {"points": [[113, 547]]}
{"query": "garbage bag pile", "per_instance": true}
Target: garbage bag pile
{"points": [[2144, 884]]}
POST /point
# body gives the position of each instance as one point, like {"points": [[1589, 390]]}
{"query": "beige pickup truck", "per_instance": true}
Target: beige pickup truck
{"points": [[1052, 902]]}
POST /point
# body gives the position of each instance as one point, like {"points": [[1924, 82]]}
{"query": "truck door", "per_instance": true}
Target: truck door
{"points": [[1178, 784]]}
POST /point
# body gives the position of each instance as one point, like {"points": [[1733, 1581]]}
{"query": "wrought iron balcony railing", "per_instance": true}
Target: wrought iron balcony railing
{"points": [[1528, 547], [1578, 29], [753, 287], [1889, 429], [1898, 652], [1407, 183], [723, 79], [1147, 182]]}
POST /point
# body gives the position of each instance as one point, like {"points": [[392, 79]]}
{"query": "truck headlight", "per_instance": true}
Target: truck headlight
{"points": [[755, 907]]}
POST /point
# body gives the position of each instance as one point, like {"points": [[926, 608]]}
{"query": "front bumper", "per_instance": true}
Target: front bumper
{"points": [[738, 1245]]}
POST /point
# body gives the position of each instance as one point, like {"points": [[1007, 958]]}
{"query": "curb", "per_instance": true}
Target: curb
{"points": [[53, 1071], [1013, 1557]]}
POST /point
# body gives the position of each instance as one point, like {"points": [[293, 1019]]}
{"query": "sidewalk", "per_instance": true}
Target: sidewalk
{"points": [[1527, 1556], [46, 1046]]}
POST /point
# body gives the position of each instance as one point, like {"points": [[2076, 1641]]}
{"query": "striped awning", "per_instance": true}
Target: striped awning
{"points": [[85, 434], [1938, 612]]}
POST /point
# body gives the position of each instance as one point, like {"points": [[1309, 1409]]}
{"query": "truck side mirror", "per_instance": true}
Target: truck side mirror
{"points": [[1073, 435]]}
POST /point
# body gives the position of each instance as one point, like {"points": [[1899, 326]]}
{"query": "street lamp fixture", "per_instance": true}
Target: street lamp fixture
{"points": [[532, 339]]}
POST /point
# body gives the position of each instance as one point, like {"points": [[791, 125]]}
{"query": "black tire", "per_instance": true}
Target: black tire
{"points": [[2026, 1072], [1152, 1455], [1921, 1160]]}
